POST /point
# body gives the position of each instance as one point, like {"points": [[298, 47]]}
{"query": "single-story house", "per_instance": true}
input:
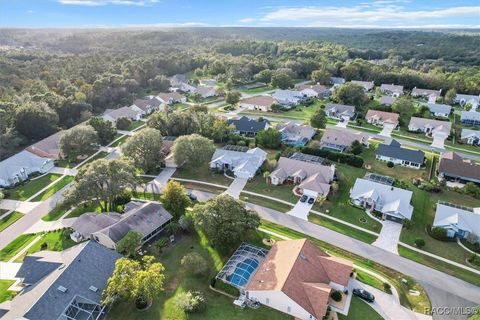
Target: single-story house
{"points": [[336, 81], [294, 134], [394, 152], [208, 82], [288, 97], [340, 111], [249, 127], [464, 99], [262, 103], [207, 92], [21, 166], [470, 118], [459, 221], [431, 95], [148, 219], [167, 145], [169, 98], [391, 89], [63, 285], [367, 85], [308, 178], [454, 168], [377, 117], [312, 91], [183, 87], [435, 128], [243, 164], [438, 110], [48, 147], [392, 202], [146, 105], [340, 140], [296, 278], [178, 79], [387, 100], [470, 137], [112, 115]]}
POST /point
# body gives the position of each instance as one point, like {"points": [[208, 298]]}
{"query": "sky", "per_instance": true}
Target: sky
{"points": [[251, 13]]}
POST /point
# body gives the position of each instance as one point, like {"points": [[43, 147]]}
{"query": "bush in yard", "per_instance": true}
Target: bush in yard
{"points": [[160, 244], [390, 164], [123, 123], [190, 301], [419, 242], [186, 223], [407, 224], [438, 233], [175, 198], [336, 295], [269, 138], [356, 148], [194, 263], [352, 160], [129, 244], [387, 287]]}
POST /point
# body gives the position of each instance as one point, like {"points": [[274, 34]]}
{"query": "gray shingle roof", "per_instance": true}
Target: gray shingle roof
{"points": [[394, 150], [33, 269], [93, 265], [438, 108], [246, 124]]}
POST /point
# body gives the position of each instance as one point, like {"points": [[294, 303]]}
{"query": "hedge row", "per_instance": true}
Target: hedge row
{"points": [[350, 159]]}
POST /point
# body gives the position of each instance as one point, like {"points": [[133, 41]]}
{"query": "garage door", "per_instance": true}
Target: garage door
{"points": [[393, 218]]}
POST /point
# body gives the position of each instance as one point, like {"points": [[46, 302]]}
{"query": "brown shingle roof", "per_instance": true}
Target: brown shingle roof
{"points": [[48, 147], [301, 271], [266, 101], [339, 137], [388, 117], [318, 88], [452, 164]]}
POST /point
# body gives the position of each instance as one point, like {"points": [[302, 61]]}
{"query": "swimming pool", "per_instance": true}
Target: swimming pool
{"points": [[243, 272]]}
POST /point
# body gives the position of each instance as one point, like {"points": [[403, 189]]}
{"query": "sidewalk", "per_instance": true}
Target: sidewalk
{"points": [[47, 226], [17, 205]]}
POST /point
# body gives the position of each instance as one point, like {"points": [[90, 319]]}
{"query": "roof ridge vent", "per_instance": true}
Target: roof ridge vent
{"points": [[62, 289]]}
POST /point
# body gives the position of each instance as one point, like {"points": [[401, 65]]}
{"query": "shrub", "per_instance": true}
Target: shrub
{"points": [[352, 160], [190, 301], [160, 244], [194, 263], [407, 224], [241, 143], [387, 287], [186, 223], [419, 242], [438, 233], [390, 164], [336, 295], [123, 123]]}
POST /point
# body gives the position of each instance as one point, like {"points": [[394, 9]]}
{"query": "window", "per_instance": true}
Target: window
{"points": [[267, 301]]}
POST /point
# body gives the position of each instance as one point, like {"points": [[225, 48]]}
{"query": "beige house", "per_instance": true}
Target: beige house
{"points": [[430, 127], [377, 117], [367, 85], [340, 140], [112, 115], [262, 103], [431, 95], [296, 278], [309, 178], [312, 91]]}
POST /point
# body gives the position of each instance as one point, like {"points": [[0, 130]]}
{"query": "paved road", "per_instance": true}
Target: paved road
{"points": [[30, 218]]}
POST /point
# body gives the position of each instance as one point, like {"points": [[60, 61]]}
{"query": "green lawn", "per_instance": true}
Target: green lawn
{"points": [[9, 220], [337, 204], [370, 280], [82, 209], [179, 106], [52, 241], [55, 214], [418, 303], [341, 228], [177, 280], [134, 125], [360, 310], [29, 188], [119, 142], [284, 192], [15, 246], [204, 174], [53, 189], [4, 293], [257, 90]]}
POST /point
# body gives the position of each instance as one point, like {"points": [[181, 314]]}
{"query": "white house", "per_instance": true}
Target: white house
{"points": [[464, 99], [312, 91], [146, 105], [459, 221], [431, 95], [243, 164], [169, 98], [296, 278], [366, 85], [392, 202], [112, 115], [148, 219], [20, 166], [436, 129], [391, 89], [470, 137], [394, 153], [207, 92], [340, 111], [288, 97]]}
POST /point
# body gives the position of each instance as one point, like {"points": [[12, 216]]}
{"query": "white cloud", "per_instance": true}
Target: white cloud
{"points": [[381, 11], [95, 3], [246, 20], [31, 11], [168, 25]]}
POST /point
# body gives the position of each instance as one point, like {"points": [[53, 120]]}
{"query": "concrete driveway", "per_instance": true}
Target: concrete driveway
{"points": [[388, 305], [301, 210], [389, 236], [236, 187], [387, 130], [438, 143], [157, 184]]}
